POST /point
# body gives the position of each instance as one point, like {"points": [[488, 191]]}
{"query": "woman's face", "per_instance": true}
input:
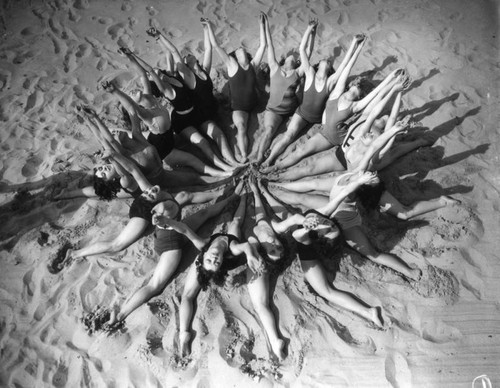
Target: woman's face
{"points": [[241, 56], [290, 63], [213, 258], [105, 171], [325, 67], [354, 92]]}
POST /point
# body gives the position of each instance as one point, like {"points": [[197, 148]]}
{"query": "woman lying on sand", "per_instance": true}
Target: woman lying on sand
{"points": [[197, 79], [168, 245], [319, 83], [315, 234], [285, 78], [340, 106], [347, 214], [359, 136], [185, 117], [140, 213], [164, 142], [219, 253], [241, 70], [112, 181]]}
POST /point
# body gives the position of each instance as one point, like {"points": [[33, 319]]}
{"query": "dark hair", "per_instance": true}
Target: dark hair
{"points": [[363, 84], [233, 54], [369, 195], [275, 267], [331, 69], [107, 190], [126, 116], [206, 276]]}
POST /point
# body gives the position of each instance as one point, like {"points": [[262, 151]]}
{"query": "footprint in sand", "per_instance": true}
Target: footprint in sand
{"points": [[81, 4], [397, 371], [31, 167], [60, 378], [438, 283], [116, 30], [151, 10], [126, 7]]}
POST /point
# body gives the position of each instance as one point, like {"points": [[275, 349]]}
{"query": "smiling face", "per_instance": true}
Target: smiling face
{"points": [[213, 258], [106, 172]]}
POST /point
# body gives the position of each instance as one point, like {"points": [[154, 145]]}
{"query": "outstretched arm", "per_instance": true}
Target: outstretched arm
{"points": [[186, 312], [230, 63], [344, 74], [361, 104], [339, 193], [380, 142], [262, 41], [304, 47], [333, 79], [271, 56], [100, 130], [207, 46], [125, 166]]}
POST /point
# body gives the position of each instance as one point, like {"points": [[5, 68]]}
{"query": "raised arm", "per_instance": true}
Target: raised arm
{"points": [[257, 59], [333, 79], [207, 46], [271, 56], [230, 63], [305, 65], [254, 260], [339, 193], [100, 130], [344, 74], [125, 167], [186, 312], [380, 142]]}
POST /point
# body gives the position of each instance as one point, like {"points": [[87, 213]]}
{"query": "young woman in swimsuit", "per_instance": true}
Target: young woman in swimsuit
{"points": [[204, 98], [347, 214], [219, 253], [146, 196], [341, 105], [168, 245], [285, 80], [315, 234], [164, 142], [242, 84], [197, 79], [185, 117], [319, 83], [344, 157]]}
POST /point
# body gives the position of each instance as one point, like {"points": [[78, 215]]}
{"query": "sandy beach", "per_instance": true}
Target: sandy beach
{"points": [[442, 331]]}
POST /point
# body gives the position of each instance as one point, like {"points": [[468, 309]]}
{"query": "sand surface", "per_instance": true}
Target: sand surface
{"points": [[442, 332]]}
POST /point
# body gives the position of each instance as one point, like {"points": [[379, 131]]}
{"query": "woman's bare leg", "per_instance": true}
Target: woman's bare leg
{"points": [[258, 288], [166, 267], [196, 138], [307, 185], [129, 235], [211, 129], [313, 145], [392, 206], [240, 120], [320, 163], [316, 277], [357, 239], [180, 158], [271, 123], [311, 201], [296, 124]]}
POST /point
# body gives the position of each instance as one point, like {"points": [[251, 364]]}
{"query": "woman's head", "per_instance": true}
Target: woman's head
{"points": [[190, 60], [358, 88], [324, 68], [241, 56], [209, 266], [106, 182]]}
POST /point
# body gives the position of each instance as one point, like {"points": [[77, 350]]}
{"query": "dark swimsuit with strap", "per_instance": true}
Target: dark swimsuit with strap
{"points": [[168, 239]]}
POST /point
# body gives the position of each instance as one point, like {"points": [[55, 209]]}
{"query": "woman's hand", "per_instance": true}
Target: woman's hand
{"points": [[368, 178], [313, 23], [153, 32], [255, 263]]}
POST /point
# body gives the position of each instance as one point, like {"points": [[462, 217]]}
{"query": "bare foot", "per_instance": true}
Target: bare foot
{"points": [[278, 347], [376, 316], [415, 274], [185, 343], [447, 200]]}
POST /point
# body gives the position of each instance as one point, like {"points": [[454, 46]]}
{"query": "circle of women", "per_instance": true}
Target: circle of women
{"points": [[292, 192]]}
